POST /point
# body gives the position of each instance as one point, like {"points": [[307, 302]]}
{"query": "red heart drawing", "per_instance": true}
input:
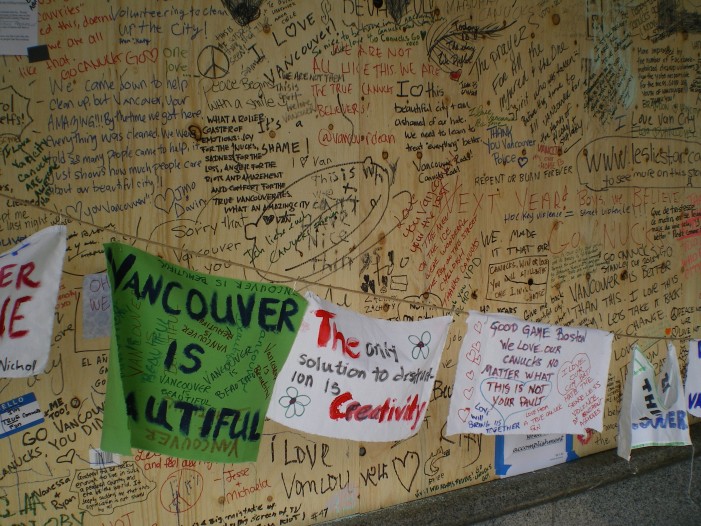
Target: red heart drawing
{"points": [[151, 54], [474, 357], [585, 438]]}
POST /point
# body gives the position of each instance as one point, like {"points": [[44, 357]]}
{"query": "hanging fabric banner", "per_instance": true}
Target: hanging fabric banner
{"points": [[193, 359], [693, 378], [30, 275], [353, 377], [517, 377], [653, 413]]}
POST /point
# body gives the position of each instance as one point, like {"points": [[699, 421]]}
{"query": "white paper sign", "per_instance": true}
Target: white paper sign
{"points": [[693, 378], [30, 274], [353, 377], [517, 377], [97, 306], [18, 26], [517, 454], [653, 413]]}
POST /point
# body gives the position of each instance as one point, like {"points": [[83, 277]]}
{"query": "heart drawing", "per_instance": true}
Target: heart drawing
{"points": [[406, 469]]}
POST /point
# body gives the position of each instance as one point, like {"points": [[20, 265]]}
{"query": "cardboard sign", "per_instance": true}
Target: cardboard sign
{"points": [[353, 377], [517, 377], [30, 274]]}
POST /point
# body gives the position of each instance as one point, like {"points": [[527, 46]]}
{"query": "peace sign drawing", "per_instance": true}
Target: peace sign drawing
{"points": [[212, 63]]}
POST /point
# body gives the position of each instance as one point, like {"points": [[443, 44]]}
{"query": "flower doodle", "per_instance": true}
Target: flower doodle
{"points": [[420, 345], [294, 403]]}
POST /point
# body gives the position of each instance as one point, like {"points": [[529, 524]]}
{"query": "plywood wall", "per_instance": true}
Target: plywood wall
{"points": [[397, 157]]}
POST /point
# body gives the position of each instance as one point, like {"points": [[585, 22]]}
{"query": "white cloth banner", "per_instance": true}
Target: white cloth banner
{"points": [[516, 377], [653, 413], [30, 274], [693, 378], [353, 377]]}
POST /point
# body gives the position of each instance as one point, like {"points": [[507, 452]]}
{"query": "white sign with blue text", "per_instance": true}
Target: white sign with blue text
{"points": [[653, 411]]}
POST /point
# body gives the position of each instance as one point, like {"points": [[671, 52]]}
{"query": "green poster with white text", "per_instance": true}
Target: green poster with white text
{"points": [[198, 357]]}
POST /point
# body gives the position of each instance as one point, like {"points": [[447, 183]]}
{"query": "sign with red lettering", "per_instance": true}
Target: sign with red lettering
{"points": [[517, 377], [353, 377], [30, 274], [653, 411]]}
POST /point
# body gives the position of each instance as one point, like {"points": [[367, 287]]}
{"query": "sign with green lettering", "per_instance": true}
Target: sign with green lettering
{"points": [[194, 358]]}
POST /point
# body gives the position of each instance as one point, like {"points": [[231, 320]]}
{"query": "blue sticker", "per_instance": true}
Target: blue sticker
{"points": [[500, 465], [19, 414]]}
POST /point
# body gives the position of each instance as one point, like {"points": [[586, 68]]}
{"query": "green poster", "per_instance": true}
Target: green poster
{"points": [[197, 358]]}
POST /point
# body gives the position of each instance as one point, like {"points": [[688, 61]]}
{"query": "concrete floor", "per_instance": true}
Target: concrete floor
{"points": [[660, 486]]}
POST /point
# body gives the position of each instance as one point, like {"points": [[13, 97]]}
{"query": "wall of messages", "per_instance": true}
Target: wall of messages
{"points": [[406, 159]]}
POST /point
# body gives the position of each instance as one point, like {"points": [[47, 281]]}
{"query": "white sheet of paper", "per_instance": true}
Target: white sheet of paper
{"points": [[517, 377], [693, 378], [97, 306], [359, 378], [653, 413], [30, 274], [517, 454], [18, 26]]}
